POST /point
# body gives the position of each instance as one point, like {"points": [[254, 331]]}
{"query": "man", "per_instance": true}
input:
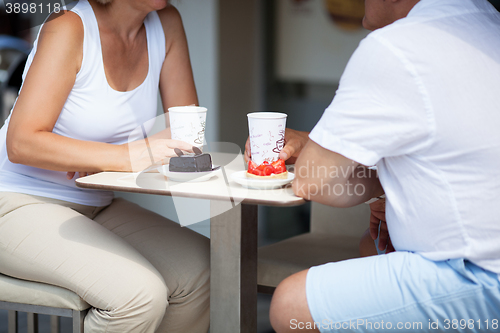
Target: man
{"points": [[419, 100]]}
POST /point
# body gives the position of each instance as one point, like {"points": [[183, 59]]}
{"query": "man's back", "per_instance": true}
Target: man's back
{"points": [[420, 97]]}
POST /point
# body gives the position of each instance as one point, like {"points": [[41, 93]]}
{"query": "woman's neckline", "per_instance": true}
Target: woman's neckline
{"points": [[102, 55]]}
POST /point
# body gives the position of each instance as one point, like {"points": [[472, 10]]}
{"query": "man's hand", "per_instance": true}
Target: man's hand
{"points": [[294, 142], [377, 218]]}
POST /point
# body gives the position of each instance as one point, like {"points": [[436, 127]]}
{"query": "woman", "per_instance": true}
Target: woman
{"points": [[90, 80]]}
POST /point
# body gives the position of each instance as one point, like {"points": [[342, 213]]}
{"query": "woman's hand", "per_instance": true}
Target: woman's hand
{"points": [[294, 142], [144, 153], [377, 218], [70, 175]]}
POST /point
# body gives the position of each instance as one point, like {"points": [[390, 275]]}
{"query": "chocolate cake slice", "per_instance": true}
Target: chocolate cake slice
{"points": [[190, 163]]}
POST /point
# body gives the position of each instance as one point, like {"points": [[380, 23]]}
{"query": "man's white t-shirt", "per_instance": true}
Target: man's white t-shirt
{"points": [[420, 99]]}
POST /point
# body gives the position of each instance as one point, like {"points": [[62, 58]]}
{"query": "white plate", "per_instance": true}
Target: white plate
{"points": [[188, 176], [260, 184]]}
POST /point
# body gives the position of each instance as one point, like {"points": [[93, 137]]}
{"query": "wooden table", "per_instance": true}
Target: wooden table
{"points": [[233, 233]]}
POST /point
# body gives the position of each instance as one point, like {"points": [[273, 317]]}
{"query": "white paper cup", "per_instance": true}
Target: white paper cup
{"points": [[187, 123], [267, 135]]}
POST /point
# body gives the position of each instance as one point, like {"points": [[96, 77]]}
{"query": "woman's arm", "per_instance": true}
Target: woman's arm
{"points": [[177, 86], [49, 81]]}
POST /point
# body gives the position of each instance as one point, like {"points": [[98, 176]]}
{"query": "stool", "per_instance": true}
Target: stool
{"points": [[39, 298]]}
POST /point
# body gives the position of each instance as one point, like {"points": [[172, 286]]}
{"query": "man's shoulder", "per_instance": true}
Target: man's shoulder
{"points": [[402, 27], [442, 13], [405, 34]]}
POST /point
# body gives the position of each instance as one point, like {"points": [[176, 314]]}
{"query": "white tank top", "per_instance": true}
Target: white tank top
{"points": [[93, 112]]}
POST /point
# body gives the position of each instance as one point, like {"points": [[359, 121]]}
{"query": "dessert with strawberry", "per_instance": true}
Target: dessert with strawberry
{"points": [[274, 170]]}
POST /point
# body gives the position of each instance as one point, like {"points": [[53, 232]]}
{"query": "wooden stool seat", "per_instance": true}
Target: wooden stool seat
{"points": [[39, 298]]}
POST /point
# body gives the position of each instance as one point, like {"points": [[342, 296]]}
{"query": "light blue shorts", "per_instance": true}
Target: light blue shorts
{"points": [[403, 292]]}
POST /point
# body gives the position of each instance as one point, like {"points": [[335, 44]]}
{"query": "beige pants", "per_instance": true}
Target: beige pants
{"points": [[138, 270]]}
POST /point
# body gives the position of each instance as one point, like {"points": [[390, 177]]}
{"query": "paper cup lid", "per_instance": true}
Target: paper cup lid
{"points": [[187, 109], [267, 115]]}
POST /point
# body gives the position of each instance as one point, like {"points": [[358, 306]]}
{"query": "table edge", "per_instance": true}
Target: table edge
{"points": [[186, 195]]}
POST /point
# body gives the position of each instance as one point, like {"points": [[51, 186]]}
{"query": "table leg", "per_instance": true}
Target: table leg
{"points": [[233, 267]]}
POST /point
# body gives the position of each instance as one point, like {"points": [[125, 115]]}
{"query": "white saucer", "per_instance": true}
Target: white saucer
{"points": [[188, 176], [260, 184]]}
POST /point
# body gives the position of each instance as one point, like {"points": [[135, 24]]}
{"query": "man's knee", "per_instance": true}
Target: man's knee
{"points": [[289, 309], [282, 297]]}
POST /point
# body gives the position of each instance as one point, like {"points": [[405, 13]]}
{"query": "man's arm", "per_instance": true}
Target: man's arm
{"points": [[329, 178]]}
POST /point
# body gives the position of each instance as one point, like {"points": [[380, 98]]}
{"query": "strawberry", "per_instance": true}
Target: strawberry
{"points": [[279, 166], [266, 169]]}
